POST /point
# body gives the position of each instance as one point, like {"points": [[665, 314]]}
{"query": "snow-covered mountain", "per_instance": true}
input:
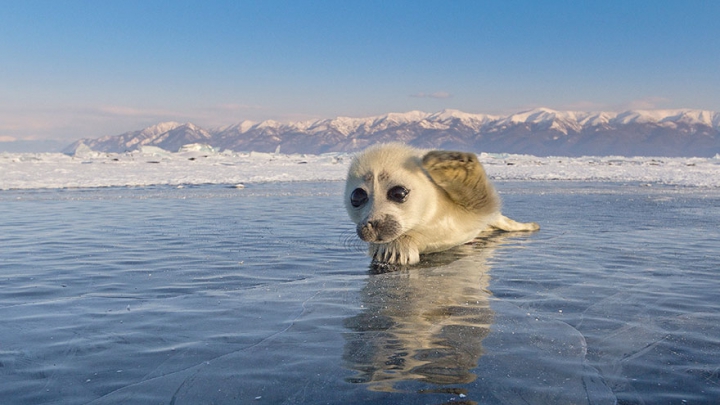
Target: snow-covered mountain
{"points": [[170, 136], [541, 132]]}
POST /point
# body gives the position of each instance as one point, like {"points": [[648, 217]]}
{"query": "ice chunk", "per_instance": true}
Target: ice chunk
{"points": [[197, 147], [153, 151], [84, 151]]}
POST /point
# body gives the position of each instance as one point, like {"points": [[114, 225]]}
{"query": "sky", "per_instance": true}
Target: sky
{"points": [[84, 69]]}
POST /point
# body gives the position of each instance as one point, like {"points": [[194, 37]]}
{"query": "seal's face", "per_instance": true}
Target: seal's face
{"points": [[379, 226], [384, 194]]}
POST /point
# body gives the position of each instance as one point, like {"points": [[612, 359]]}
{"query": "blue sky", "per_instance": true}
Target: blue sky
{"points": [[72, 69]]}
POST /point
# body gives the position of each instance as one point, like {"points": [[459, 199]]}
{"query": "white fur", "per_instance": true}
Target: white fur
{"points": [[428, 220]]}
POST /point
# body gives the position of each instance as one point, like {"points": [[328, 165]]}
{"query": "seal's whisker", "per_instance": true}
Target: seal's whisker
{"points": [[352, 243]]}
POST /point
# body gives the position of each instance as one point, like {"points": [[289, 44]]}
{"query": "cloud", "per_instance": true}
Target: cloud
{"points": [[71, 122], [238, 107], [647, 103], [437, 94], [124, 111], [218, 112]]}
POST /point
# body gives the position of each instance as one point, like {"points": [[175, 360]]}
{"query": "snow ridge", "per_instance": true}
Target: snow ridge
{"points": [[542, 131]]}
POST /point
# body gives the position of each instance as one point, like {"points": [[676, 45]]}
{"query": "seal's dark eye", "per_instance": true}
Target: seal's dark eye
{"points": [[358, 197], [398, 194]]}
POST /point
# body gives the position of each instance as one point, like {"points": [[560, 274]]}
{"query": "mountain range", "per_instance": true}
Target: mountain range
{"points": [[540, 132]]}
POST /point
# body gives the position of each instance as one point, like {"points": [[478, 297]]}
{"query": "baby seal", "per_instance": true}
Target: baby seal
{"points": [[406, 201]]}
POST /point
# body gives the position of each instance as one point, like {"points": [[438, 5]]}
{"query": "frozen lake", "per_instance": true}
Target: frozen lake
{"points": [[263, 295]]}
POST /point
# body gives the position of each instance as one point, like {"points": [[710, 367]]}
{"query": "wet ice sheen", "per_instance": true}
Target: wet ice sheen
{"points": [[259, 295]]}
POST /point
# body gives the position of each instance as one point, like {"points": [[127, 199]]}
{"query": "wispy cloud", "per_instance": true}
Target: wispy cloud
{"points": [[211, 115], [437, 94], [75, 122], [238, 107], [126, 111], [647, 103]]}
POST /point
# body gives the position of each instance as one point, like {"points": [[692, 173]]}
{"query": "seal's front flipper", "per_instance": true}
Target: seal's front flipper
{"points": [[464, 180]]}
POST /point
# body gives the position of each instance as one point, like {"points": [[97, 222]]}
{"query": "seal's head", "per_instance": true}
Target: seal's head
{"points": [[386, 192]]}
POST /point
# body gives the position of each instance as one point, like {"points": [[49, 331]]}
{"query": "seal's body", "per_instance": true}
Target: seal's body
{"points": [[407, 201]]}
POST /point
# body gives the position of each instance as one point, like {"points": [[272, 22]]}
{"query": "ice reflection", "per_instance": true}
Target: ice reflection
{"points": [[425, 323]]}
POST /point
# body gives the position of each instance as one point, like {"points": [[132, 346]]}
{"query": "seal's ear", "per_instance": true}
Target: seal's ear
{"points": [[463, 179]]}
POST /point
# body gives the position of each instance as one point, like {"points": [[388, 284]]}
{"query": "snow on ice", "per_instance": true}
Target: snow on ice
{"points": [[202, 165]]}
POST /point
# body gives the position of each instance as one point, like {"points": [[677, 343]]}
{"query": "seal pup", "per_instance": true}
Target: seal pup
{"points": [[406, 201]]}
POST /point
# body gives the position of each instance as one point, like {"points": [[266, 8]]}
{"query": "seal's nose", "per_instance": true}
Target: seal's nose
{"points": [[367, 230]]}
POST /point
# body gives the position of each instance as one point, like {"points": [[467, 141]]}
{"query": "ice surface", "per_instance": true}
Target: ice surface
{"points": [[219, 295], [153, 166]]}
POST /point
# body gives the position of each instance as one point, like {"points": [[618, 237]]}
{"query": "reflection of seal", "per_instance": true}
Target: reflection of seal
{"points": [[425, 325], [406, 201]]}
